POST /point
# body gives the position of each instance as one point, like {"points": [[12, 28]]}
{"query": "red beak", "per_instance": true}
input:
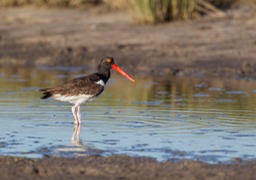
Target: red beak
{"points": [[118, 69]]}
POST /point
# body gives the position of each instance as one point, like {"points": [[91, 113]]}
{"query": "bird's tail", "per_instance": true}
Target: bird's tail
{"points": [[46, 93]]}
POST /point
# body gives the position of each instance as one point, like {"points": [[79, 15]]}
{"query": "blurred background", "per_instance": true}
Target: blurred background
{"points": [[156, 37], [143, 11]]}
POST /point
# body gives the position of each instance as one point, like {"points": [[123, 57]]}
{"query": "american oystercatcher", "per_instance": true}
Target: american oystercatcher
{"points": [[84, 89]]}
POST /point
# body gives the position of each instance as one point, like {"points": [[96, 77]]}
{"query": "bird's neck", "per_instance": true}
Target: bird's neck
{"points": [[105, 74]]}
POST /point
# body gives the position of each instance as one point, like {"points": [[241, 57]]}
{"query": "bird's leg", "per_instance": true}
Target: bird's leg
{"points": [[74, 114], [79, 115], [73, 138], [76, 136]]}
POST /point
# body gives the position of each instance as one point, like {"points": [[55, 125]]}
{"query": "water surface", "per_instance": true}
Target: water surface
{"points": [[211, 120]]}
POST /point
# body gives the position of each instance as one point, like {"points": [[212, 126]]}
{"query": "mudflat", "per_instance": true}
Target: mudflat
{"points": [[31, 36], [120, 167], [69, 37]]}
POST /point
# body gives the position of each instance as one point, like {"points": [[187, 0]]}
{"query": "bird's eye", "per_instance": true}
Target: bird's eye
{"points": [[108, 60]]}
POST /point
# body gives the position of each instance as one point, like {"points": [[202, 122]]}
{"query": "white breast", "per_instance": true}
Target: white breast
{"points": [[101, 82]]}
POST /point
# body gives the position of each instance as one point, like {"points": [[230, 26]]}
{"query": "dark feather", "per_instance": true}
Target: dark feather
{"points": [[77, 86], [46, 93]]}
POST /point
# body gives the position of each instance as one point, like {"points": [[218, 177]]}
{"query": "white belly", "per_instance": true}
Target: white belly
{"points": [[74, 99]]}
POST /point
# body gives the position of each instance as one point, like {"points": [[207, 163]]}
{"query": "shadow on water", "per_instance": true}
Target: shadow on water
{"points": [[211, 120]]}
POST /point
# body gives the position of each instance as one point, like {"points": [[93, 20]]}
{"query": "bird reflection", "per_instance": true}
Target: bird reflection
{"points": [[76, 140], [78, 148]]}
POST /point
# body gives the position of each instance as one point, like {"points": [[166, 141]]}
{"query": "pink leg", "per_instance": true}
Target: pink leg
{"points": [[76, 121], [79, 115], [76, 136]]}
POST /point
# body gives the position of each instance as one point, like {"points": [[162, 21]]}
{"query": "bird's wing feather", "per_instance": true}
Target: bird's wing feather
{"points": [[86, 85]]}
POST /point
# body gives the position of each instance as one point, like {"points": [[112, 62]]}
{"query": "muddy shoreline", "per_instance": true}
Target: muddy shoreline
{"points": [[120, 167], [32, 36], [67, 37]]}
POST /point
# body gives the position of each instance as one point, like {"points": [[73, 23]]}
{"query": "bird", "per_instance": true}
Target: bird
{"points": [[84, 89]]}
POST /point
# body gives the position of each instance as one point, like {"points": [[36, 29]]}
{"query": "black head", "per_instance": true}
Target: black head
{"points": [[106, 65], [107, 61]]}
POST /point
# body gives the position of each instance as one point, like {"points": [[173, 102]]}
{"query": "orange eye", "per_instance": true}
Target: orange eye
{"points": [[108, 60]]}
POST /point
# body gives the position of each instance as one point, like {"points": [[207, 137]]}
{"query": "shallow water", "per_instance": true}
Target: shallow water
{"points": [[211, 120]]}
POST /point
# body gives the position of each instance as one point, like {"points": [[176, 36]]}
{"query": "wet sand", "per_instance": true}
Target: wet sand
{"points": [[63, 37], [120, 167]]}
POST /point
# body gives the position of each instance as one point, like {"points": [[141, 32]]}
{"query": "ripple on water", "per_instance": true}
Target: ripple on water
{"points": [[226, 100], [201, 95], [166, 120], [216, 89], [236, 92]]}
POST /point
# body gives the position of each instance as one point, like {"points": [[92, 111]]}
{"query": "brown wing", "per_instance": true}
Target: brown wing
{"points": [[82, 85]]}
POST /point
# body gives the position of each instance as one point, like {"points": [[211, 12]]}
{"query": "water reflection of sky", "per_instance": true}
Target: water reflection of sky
{"points": [[202, 119]]}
